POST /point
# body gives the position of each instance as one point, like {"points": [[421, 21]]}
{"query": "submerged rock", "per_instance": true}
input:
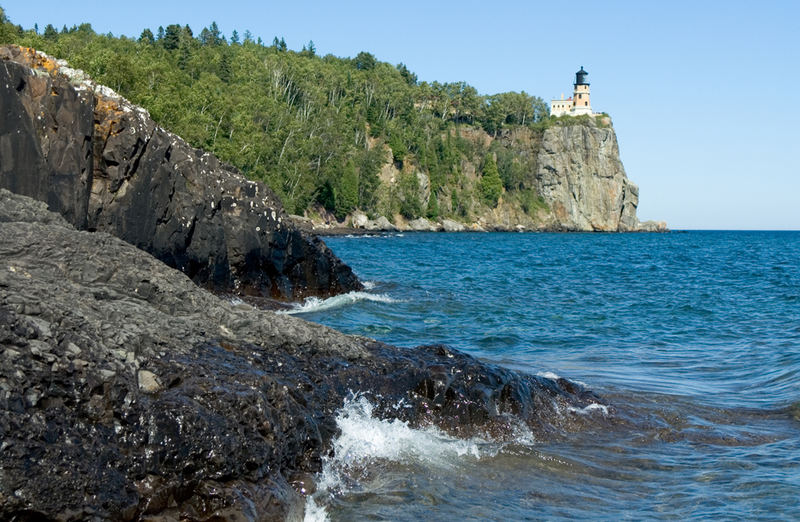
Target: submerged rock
{"points": [[105, 165], [127, 392]]}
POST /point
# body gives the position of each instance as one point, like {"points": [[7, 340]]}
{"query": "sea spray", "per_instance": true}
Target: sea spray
{"points": [[366, 440], [315, 304]]}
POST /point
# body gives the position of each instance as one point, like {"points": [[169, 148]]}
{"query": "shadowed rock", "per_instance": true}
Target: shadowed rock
{"points": [[104, 165]]}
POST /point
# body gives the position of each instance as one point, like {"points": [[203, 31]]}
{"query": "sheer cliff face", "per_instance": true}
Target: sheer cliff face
{"points": [[103, 164], [580, 177]]}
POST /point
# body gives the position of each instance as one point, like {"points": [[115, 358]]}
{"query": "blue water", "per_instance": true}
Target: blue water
{"points": [[693, 338]]}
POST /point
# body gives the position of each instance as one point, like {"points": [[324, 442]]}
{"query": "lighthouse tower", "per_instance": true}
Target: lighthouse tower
{"points": [[580, 99]]}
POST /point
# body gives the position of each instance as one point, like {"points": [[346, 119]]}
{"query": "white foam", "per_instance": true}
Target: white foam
{"points": [[315, 304], [368, 285], [603, 409], [365, 439], [315, 512], [555, 377], [548, 375]]}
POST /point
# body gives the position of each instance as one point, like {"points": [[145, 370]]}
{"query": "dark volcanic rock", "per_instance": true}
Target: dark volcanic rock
{"points": [[45, 137], [105, 165], [128, 392]]}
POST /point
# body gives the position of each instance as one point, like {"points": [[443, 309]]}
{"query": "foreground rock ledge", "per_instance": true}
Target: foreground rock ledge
{"points": [[129, 393], [104, 164]]}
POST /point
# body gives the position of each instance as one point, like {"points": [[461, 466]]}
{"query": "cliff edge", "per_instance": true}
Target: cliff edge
{"points": [[104, 165], [580, 177]]}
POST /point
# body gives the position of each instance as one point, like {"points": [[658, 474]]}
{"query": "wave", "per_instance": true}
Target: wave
{"points": [[602, 408], [315, 304], [365, 440]]}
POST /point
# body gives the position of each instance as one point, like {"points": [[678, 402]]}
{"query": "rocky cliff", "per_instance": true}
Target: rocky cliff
{"points": [[570, 178], [580, 178], [129, 393], [104, 165]]}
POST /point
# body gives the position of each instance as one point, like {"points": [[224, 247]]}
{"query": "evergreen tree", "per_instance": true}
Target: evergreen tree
{"points": [[347, 193], [216, 34], [224, 68], [365, 61], [410, 206], [407, 75], [235, 37], [172, 37], [147, 37], [205, 37], [433, 206], [491, 185], [6, 29], [50, 32]]}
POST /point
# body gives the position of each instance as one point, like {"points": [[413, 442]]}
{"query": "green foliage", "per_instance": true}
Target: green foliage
{"points": [[408, 187], [172, 37], [458, 203], [146, 38], [50, 32], [347, 193], [433, 207], [365, 61], [368, 180], [491, 186], [8, 31], [407, 75], [398, 146], [313, 128], [510, 166], [530, 201]]}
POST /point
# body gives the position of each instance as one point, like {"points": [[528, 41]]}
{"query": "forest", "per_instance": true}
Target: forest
{"points": [[316, 129]]}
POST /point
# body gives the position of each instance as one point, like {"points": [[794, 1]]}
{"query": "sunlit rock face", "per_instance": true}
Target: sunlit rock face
{"points": [[581, 178]]}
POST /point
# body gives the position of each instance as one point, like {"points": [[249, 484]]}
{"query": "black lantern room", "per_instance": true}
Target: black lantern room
{"points": [[580, 77]]}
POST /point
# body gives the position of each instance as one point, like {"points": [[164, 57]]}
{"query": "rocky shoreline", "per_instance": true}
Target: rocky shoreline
{"points": [[351, 226], [127, 392]]}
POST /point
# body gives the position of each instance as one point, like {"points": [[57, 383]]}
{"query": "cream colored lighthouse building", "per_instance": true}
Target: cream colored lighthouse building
{"points": [[579, 103]]}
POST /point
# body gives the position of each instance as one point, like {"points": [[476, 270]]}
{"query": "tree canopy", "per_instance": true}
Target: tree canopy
{"points": [[314, 128]]}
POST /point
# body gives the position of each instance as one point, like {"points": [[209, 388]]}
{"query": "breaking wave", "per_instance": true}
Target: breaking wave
{"points": [[366, 440], [316, 304]]}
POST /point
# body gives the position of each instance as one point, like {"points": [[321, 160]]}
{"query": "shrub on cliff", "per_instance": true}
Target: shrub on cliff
{"points": [[491, 186]]}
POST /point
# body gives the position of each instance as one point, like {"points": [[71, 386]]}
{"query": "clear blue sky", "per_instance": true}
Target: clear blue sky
{"points": [[702, 94]]}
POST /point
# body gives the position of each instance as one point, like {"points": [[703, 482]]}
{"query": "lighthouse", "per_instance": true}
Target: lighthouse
{"points": [[579, 103], [580, 96]]}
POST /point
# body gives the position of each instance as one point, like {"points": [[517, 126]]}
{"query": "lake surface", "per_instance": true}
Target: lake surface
{"points": [[693, 339]]}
